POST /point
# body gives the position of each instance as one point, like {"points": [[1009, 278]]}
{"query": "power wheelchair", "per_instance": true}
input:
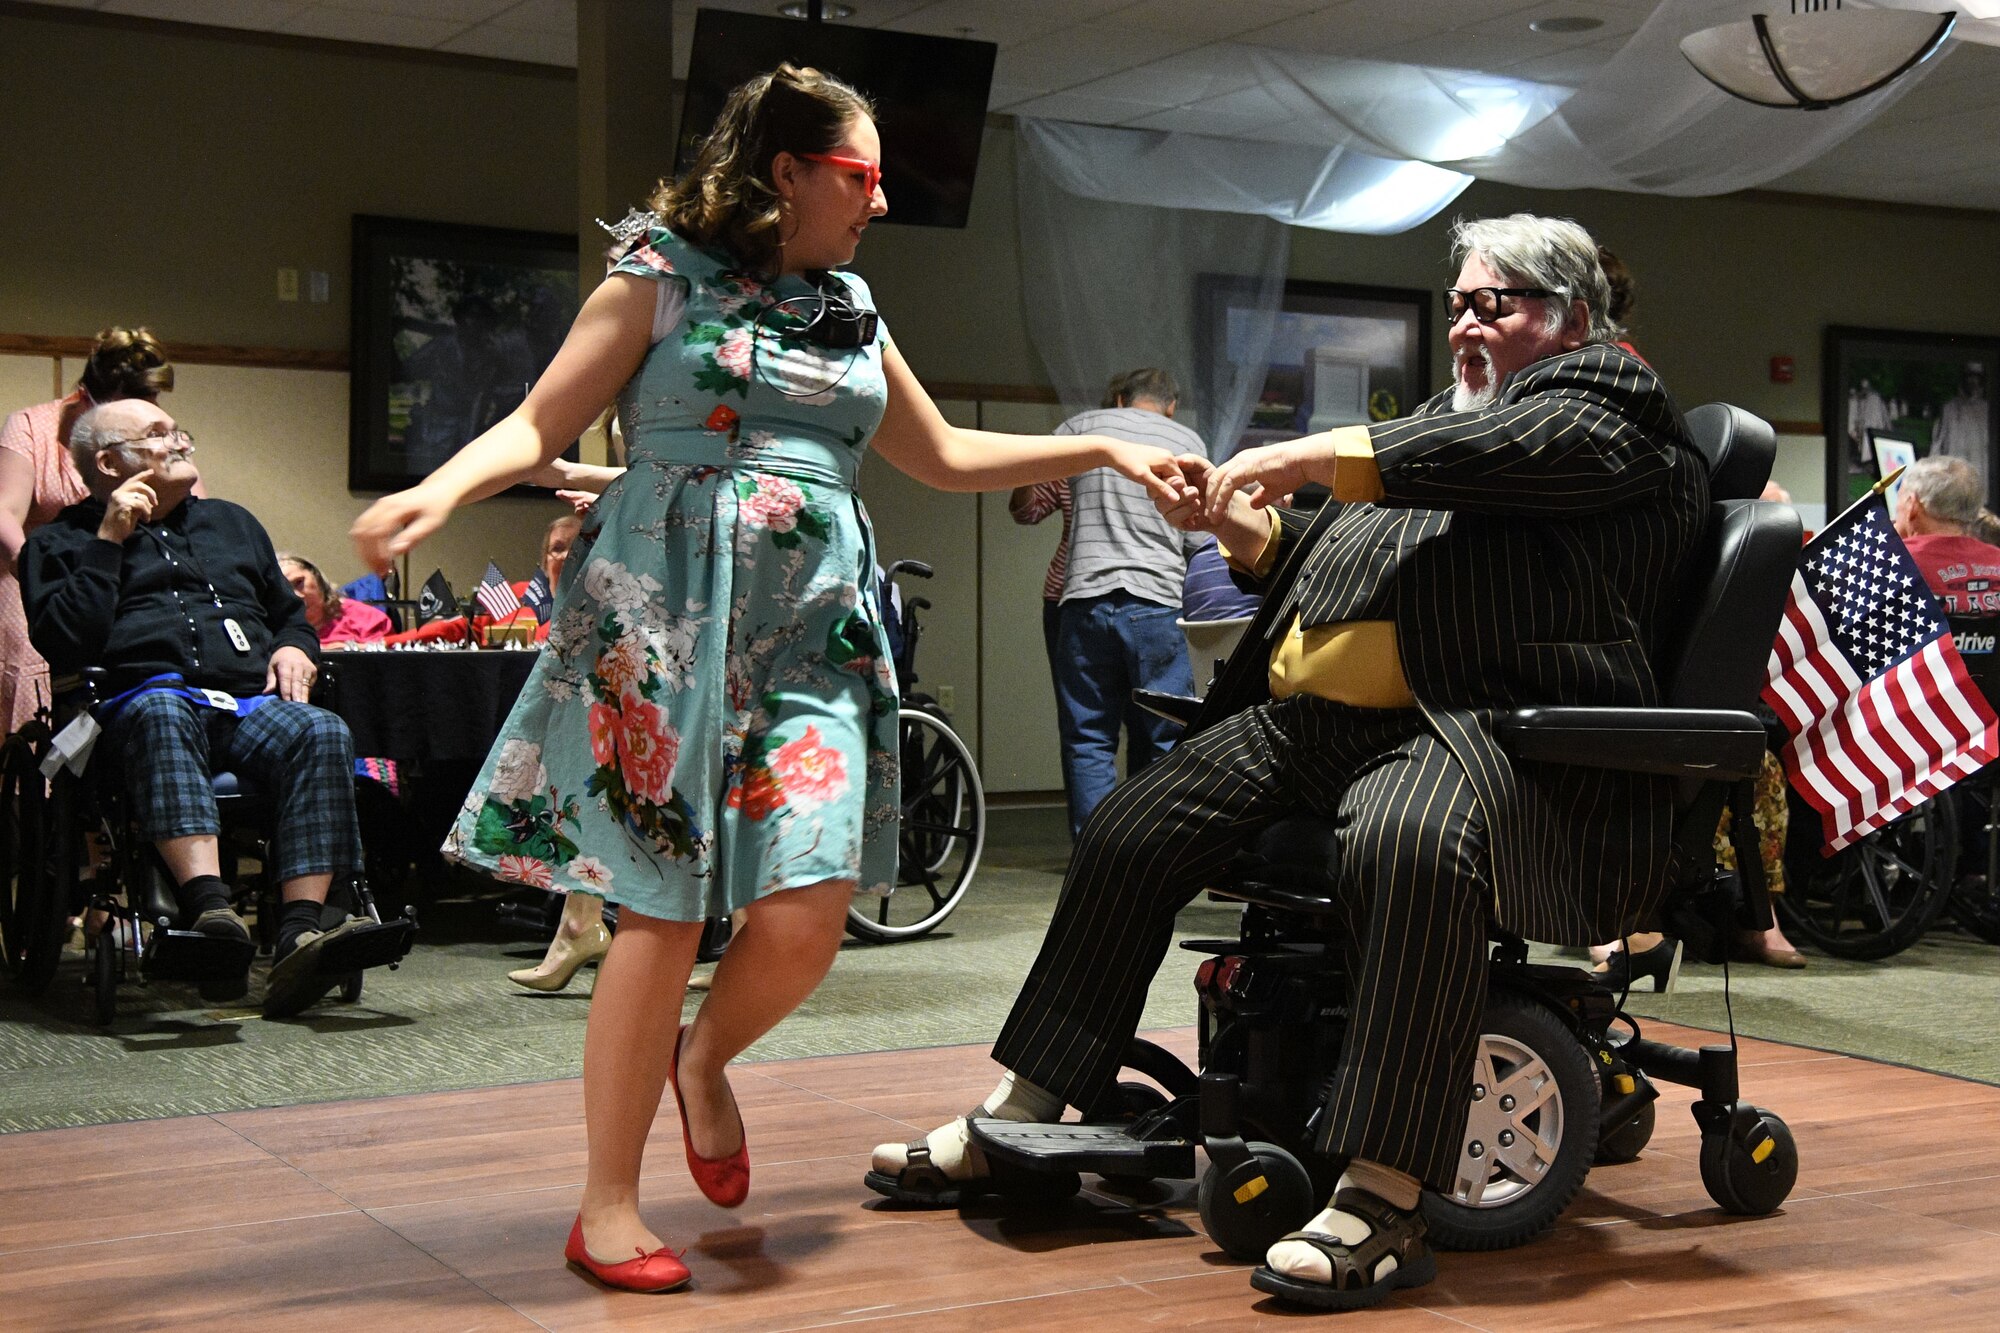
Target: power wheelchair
{"points": [[52, 813], [1562, 1076]]}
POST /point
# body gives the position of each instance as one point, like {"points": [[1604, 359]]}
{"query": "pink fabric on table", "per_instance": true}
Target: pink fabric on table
{"points": [[357, 622], [31, 433]]}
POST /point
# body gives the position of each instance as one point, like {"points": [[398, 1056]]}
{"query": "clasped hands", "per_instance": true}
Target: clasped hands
{"points": [[1211, 497]]}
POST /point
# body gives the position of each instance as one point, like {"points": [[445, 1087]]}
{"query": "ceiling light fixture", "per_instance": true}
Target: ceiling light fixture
{"points": [[800, 9], [1565, 23], [1815, 57]]}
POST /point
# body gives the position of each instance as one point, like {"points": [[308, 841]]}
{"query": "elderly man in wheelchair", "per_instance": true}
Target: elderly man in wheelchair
{"points": [[1511, 558], [198, 662]]}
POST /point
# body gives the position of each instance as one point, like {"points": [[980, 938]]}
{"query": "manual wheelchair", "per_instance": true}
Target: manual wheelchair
{"points": [[1562, 1077], [59, 822]]}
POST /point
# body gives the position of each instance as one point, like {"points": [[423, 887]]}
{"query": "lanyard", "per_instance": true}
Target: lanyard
{"points": [[173, 586]]}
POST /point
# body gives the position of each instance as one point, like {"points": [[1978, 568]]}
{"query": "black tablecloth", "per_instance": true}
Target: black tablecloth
{"points": [[425, 707]]}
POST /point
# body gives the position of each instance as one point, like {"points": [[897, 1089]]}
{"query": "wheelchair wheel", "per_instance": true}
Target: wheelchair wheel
{"points": [[943, 831], [1530, 1136], [51, 878], [1246, 1210], [104, 970], [22, 811], [1750, 1167], [1625, 1143], [1878, 896], [1975, 897], [350, 987]]}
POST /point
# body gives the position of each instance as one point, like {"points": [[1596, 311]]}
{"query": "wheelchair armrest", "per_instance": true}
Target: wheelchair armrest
{"points": [[1179, 708], [75, 691], [1702, 743]]}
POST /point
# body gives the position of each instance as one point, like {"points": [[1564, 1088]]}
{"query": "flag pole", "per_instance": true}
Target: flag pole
{"points": [[1877, 489]]}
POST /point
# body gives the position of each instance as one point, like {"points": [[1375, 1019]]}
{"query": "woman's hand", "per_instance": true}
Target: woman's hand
{"points": [[1187, 512], [1155, 469], [395, 523]]}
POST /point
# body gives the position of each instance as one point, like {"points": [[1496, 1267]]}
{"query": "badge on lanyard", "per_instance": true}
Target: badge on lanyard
{"points": [[236, 635]]}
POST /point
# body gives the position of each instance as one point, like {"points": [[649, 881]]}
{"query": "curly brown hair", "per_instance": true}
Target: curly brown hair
{"points": [[126, 363], [726, 198]]}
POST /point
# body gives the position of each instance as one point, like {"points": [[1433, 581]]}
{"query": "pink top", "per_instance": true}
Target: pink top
{"points": [[357, 622], [31, 433]]}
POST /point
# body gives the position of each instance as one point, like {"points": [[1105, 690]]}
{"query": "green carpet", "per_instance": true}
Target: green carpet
{"points": [[449, 1018]]}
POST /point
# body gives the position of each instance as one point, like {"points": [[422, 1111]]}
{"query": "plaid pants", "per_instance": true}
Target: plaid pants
{"points": [[300, 756]]}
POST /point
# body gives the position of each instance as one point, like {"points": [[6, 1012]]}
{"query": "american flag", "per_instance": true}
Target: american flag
{"points": [[1867, 680], [496, 596]]}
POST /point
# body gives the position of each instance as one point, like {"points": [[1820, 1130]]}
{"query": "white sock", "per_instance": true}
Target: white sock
{"points": [[1296, 1259], [952, 1149]]}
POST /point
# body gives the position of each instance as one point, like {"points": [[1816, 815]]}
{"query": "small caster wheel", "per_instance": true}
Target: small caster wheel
{"points": [[350, 988], [104, 974], [1751, 1166], [1246, 1210]]}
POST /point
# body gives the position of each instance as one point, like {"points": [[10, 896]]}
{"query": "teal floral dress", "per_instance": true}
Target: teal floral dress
{"points": [[714, 715]]}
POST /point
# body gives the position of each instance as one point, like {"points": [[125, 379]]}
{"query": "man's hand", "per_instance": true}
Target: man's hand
{"points": [[128, 506], [1278, 469], [291, 674]]}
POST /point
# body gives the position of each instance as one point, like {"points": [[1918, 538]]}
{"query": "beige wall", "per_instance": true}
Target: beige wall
{"points": [[257, 154]]}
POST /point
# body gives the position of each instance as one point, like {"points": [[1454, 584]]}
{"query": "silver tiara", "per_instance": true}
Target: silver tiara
{"points": [[632, 227]]}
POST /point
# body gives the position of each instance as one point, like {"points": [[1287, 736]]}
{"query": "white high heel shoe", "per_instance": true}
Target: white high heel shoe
{"points": [[567, 953]]}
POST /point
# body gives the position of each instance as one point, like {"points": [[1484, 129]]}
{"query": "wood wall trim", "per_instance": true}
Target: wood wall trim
{"points": [[192, 354], [1798, 428]]}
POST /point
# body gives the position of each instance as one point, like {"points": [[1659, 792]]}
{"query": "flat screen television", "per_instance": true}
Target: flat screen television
{"points": [[930, 93]]}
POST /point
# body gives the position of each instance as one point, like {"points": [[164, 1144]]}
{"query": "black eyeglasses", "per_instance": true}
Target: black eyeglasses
{"points": [[1485, 301]]}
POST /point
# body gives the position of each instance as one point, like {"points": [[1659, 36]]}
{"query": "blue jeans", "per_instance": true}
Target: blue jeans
{"points": [[1106, 647]]}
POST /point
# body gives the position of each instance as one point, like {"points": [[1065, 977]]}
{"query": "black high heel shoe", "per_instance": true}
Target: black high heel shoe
{"points": [[1662, 963]]}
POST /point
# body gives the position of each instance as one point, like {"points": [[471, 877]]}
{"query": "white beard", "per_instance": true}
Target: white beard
{"points": [[1464, 399]]}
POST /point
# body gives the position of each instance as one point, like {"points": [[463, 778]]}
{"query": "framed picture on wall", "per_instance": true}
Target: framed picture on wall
{"points": [[1340, 355], [1925, 391], [452, 325]]}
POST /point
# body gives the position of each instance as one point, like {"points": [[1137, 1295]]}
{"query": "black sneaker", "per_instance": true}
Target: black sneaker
{"points": [[296, 983]]}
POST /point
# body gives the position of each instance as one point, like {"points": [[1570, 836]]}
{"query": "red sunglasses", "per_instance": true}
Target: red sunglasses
{"points": [[871, 172]]}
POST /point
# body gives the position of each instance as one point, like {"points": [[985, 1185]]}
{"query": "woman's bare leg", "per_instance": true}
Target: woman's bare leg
{"points": [[634, 1013], [779, 953]]}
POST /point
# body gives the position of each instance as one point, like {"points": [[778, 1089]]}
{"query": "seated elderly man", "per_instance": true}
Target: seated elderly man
{"points": [[210, 659], [1520, 540], [1937, 516]]}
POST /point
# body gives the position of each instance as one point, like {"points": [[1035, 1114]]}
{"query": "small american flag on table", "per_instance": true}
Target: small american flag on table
{"points": [[1867, 681], [496, 596]]}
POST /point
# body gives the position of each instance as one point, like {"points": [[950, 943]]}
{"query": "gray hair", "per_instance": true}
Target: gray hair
{"points": [[87, 438], [1532, 251], [1949, 489]]}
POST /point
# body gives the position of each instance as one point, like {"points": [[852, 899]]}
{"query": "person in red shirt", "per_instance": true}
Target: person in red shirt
{"points": [[1937, 513], [556, 543]]}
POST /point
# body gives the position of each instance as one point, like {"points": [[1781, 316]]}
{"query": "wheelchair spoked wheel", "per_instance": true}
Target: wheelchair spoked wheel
{"points": [[943, 832], [1530, 1136], [22, 800], [1877, 897], [1975, 897], [49, 879]]}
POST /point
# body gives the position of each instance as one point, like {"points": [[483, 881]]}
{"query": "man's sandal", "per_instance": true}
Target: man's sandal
{"points": [[1392, 1234], [923, 1184]]}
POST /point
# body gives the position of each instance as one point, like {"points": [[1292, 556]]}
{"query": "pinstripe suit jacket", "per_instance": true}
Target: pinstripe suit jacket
{"points": [[1528, 553]]}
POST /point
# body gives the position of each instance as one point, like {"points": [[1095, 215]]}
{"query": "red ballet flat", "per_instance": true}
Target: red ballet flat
{"points": [[724, 1180], [653, 1270]]}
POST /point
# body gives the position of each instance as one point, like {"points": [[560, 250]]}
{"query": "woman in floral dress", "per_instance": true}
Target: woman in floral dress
{"points": [[713, 724]]}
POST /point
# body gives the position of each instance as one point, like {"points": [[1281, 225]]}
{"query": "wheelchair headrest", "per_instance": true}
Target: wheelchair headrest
{"points": [[1735, 597], [1740, 449]]}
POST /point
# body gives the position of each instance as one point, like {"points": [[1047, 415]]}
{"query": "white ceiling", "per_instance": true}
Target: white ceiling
{"points": [[1174, 64]]}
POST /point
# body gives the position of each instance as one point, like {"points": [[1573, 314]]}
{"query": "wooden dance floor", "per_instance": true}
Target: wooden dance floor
{"points": [[448, 1211]]}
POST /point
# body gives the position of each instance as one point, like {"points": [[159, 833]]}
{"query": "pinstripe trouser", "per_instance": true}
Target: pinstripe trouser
{"points": [[1414, 894]]}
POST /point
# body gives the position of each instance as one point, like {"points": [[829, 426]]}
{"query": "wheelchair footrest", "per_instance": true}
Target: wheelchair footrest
{"points": [[188, 955], [1105, 1150], [375, 944]]}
